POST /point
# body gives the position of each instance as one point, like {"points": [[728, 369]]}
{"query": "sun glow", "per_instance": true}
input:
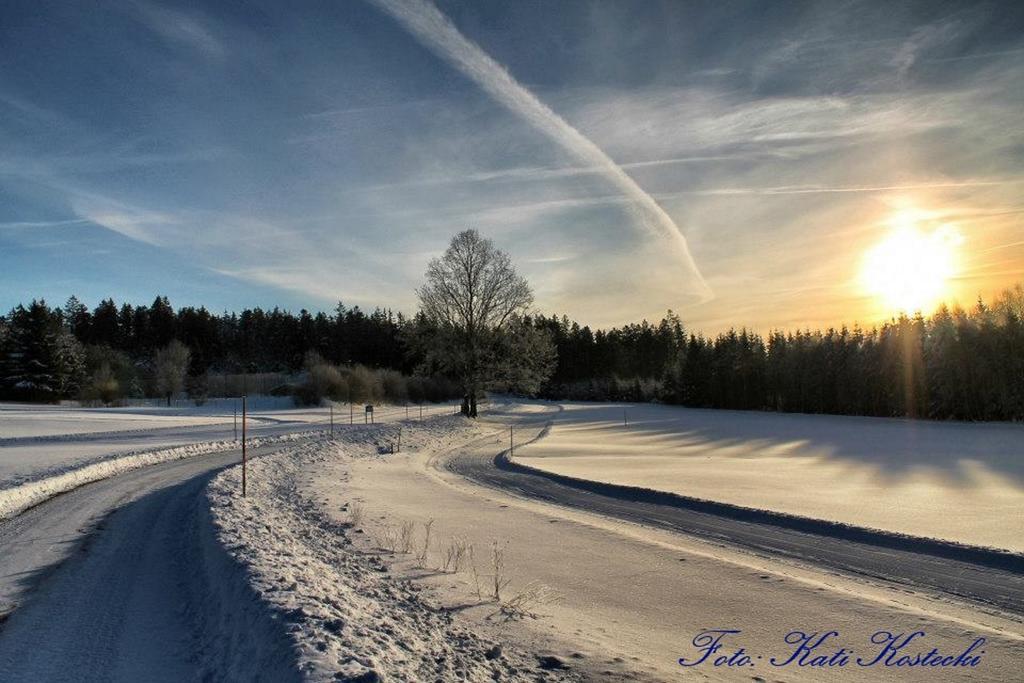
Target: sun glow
{"points": [[909, 270]]}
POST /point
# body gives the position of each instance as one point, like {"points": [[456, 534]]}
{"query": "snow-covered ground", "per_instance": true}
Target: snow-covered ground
{"points": [[622, 600], [954, 481], [45, 450], [309, 577], [347, 617], [19, 421], [17, 497]]}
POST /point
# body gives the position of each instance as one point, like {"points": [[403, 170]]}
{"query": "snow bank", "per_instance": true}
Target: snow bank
{"points": [[347, 618], [20, 494], [241, 640]]}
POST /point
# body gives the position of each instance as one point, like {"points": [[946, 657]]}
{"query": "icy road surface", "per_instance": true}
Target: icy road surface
{"points": [[114, 567]]}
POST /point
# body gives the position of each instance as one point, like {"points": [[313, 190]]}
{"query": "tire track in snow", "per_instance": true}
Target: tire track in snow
{"points": [[115, 583]]}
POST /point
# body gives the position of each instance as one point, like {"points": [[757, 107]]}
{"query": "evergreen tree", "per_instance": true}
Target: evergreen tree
{"points": [[77, 318], [43, 360], [105, 328], [161, 324]]}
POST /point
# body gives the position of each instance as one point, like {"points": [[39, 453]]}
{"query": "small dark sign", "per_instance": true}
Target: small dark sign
{"points": [[369, 409]]}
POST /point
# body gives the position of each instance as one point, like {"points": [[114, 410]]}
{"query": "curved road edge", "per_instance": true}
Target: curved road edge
{"points": [[41, 487], [992, 558], [991, 577], [125, 578]]}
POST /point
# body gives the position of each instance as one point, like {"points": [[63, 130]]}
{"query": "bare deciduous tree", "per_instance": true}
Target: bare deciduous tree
{"points": [[170, 366], [473, 301]]}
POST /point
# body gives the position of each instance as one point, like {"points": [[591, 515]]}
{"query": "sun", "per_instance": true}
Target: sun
{"points": [[909, 270]]}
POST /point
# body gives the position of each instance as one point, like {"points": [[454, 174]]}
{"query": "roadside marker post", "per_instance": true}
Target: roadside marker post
{"points": [[332, 419], [511, 442], [399, 439], [351, 413], [407, 412], [625, 420], [421, 412], [236, 421], [243, 447]]}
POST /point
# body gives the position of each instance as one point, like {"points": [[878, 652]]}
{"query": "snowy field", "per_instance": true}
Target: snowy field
{"points": [[22, 421], [45, 440], [19, 421], [954, 481]]}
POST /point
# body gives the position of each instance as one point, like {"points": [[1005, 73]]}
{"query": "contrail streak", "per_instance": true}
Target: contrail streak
{"points": [[435, 31]]}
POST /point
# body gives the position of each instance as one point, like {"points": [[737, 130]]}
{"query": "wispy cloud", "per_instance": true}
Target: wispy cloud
{"points": [[920, 41], [340, 112], [103, 161], [29, 110], [438, 33], [976, 55], [540, 173], [179, 27], [20, 225], [657, 123], [821, 189], [132, 222], [320, 280], [561, 258]]}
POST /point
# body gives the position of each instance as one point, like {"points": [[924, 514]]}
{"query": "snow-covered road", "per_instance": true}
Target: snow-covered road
{"points": [[108, 575]]}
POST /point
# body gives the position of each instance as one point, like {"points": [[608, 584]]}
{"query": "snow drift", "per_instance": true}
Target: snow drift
{"points": [[19, 494]]}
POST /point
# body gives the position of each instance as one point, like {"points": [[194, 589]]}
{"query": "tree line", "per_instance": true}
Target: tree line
{"points": [[254, 340], [953, 364], [112, 352]]}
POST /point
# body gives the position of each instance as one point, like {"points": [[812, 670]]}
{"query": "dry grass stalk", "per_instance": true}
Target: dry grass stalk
{"points": [[405, 536], [498, 565], [356, 515], [425, 550], [525, 602], [454, 555], [388, 538], [476, 574]]}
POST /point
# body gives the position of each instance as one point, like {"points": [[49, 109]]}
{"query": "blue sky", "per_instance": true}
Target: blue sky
{"points": [[732, 161]]}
